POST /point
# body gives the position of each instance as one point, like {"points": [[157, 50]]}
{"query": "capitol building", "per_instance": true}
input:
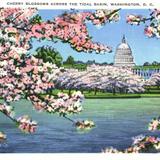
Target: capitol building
{"points": [[123, 56]]}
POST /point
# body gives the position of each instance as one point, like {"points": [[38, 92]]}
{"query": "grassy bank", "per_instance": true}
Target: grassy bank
{"points": [[150, 93]]}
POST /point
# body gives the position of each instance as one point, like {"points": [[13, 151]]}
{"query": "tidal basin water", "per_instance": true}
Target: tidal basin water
{"points": [[117, 121]]}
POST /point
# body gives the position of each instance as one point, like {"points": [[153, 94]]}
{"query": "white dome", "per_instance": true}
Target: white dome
{"points": [[123, 46]]}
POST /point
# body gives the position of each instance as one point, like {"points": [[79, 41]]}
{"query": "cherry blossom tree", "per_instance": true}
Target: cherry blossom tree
{"points": [[104, 78], [117, 80], [155, 80], [23, 76]]}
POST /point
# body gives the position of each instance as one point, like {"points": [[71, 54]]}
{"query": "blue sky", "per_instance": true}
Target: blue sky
{"points": [[143, 48]]}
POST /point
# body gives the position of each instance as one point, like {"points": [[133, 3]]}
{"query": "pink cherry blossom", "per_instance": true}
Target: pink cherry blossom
{"points": [[152, 22]]}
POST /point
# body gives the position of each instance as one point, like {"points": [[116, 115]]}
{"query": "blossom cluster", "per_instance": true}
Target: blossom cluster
{"points": [[2, 137], [7, 109], [134, 19], [145, 144], [111, 150], [154, 124], [141, 144], [101, 16], [84, 125], [26, 124], [63, 104], [152, 28]]}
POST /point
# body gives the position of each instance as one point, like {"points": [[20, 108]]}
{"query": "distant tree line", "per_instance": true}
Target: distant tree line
{"points": [[72, 63], [154, 63]]}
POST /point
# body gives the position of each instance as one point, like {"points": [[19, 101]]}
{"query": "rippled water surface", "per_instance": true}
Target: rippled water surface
{"points": [[117, 121]]}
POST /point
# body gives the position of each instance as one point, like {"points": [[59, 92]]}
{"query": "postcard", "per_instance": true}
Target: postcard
{"points": [[79, 77]]}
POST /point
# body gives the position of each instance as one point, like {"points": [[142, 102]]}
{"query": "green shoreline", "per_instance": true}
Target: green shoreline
{"points": [[120, 97]]}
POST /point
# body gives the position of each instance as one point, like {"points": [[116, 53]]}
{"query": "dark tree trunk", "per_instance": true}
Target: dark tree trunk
{"points": [[95, 91], [113, 91], [69, 92]]}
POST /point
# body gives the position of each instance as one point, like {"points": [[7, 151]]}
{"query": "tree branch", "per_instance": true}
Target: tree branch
{"points": [[71, 120], [11, 118]]}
